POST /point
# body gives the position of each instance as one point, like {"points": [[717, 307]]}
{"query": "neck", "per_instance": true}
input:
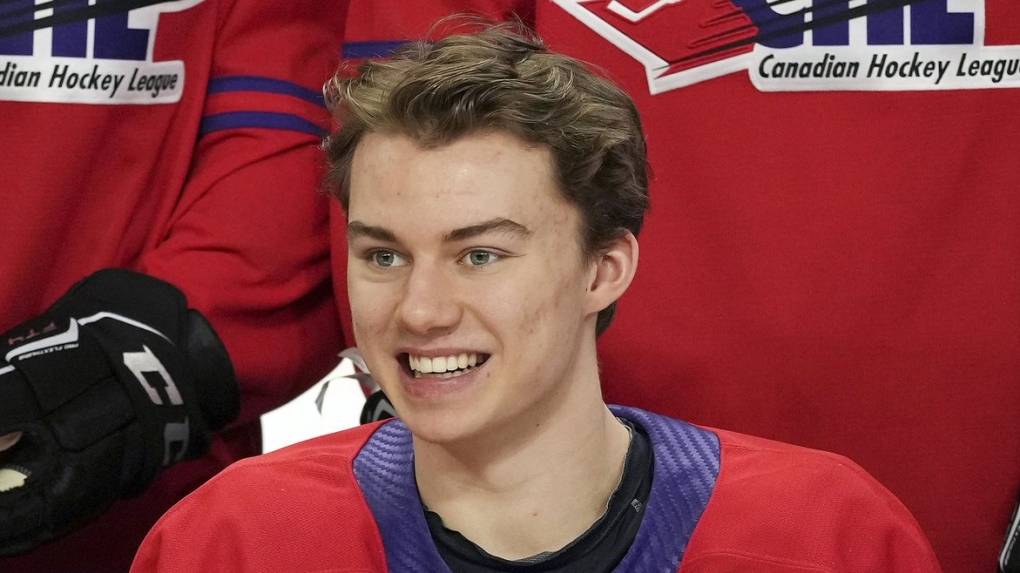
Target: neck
{"points": [[535, 492]]}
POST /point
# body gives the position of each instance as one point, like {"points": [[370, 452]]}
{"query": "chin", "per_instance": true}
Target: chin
{"points": [[440, 425]]}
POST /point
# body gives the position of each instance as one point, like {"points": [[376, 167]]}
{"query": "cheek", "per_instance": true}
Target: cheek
{"points": [[369, 308], [546, 308], [369, 324], [564, 282]]}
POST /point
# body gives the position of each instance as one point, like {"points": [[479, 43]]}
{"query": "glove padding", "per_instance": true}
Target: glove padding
{"points": [[114, 382]]}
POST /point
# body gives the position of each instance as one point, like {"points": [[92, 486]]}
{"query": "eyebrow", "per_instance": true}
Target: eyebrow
{"points": [[497, 225], [357, 229]]}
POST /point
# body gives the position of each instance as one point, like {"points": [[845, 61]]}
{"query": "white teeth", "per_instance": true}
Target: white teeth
{"points": [[445, 366]]}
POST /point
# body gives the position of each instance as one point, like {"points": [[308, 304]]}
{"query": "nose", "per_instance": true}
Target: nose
{"points": [[430, 305]]}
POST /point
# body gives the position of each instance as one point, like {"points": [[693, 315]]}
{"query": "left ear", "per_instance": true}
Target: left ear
{"points": [[611, 272]]}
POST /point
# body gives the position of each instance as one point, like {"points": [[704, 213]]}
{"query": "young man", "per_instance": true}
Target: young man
{"points": [[493, 193]]}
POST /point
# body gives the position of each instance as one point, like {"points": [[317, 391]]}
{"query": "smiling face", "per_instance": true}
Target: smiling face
{"points": [[470, 296]]}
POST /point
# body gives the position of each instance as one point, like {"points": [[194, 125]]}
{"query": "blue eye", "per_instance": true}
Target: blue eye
{"points": [[480, 258], [386, 259]]}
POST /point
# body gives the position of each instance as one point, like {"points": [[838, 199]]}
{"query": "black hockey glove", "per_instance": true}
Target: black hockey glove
{"points": [[1009, 557], [114, 382]]}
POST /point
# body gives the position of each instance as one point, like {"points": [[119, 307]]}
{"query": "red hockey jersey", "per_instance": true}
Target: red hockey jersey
{"points": [[180, 139], [832, 255], [720, 502]]}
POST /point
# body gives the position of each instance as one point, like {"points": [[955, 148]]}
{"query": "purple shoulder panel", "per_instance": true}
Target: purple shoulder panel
{"points": [[385, 471], [685, 472]]}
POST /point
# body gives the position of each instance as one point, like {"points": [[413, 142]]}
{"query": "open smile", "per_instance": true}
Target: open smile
{"points": [[442, 366]]}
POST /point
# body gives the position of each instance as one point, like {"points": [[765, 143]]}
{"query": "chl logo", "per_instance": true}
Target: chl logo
{"points": [[795, 45], [86, 51]]}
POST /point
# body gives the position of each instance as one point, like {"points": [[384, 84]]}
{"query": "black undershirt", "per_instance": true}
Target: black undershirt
{"points": [[598, 549]]}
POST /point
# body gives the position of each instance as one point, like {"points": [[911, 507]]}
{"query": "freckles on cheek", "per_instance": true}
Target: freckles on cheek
{"points": [[365, 321], [533, 317], [551, 296], [365, 329]]}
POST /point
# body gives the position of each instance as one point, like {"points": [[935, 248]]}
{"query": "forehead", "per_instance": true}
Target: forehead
{"points": [[482, 174]]}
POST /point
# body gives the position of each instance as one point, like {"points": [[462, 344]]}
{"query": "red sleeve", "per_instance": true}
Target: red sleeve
{"points": [[295, 509], [248, 242], [783, 509]]}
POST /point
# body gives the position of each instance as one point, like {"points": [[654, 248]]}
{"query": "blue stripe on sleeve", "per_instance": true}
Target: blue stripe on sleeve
{"points": [[263, 119], [227, 84], [378, 49]]}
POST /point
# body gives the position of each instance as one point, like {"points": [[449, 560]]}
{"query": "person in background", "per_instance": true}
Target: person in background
{"points": [[165, 264]]}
